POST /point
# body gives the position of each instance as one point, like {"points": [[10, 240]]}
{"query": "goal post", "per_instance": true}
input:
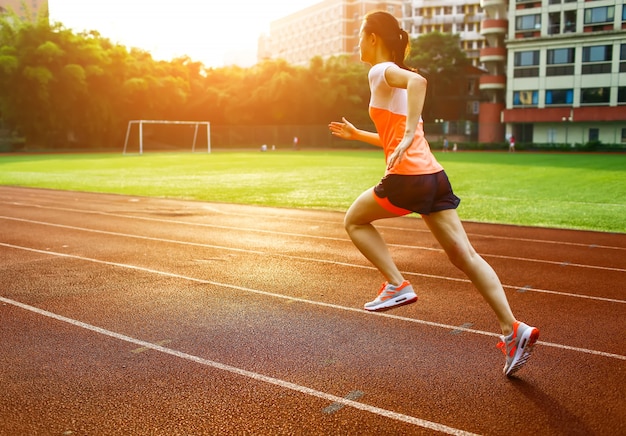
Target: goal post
{"points": [[196, 127]]}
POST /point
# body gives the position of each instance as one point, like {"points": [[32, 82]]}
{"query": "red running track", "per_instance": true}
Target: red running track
{"points": [[130, 315]]}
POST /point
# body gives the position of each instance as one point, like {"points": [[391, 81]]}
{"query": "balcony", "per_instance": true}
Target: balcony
{"points": [[493, 54], [492, 82], [490, 3], [493, 26]]}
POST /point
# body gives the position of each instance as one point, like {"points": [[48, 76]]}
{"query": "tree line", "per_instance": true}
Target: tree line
{"points": [[60, 89]]}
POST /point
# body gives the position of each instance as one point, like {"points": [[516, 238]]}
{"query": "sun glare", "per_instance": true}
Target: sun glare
{"points": [[207, 31]]}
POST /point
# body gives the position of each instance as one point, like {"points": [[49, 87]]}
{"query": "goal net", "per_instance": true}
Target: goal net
{"points": [[163, 135]]}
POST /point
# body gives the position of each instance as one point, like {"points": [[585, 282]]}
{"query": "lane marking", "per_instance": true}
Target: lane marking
{"points": [[380, 226], [245, 373], [462, 328], [527, 259], [335, 407], [273, 232], [300, 300], [302, 258], [518, 239], [142, 349]]}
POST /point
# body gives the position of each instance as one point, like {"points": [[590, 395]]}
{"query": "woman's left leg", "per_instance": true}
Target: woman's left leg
{"points": [[448, 230]]}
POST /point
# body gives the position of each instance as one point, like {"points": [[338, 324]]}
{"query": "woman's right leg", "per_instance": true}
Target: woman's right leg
{"points": [[358, 224]]}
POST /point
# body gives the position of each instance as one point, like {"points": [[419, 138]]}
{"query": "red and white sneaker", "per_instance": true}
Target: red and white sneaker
{"points": [[518, 346], [391, 296]]}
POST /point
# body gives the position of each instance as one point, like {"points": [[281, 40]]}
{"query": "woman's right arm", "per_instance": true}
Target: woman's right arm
{"points": [[346, 130]]}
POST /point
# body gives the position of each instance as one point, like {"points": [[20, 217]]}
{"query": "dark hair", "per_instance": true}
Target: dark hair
{"points": [[394, 37]]}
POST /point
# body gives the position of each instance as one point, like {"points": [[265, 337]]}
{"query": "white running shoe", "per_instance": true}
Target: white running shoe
{"points": [[518, 346], [391, 296]]}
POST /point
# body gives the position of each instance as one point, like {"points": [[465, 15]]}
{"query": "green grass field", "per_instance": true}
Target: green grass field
{"points": [[579, 191]]}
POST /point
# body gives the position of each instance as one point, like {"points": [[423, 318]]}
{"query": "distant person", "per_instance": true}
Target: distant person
{"points": [[445, 145], [296, 142], [414, 182], [512, 144], [455, 147]]}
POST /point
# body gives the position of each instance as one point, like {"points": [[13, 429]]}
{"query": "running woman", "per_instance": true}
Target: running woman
{"points": [[414, 182]]}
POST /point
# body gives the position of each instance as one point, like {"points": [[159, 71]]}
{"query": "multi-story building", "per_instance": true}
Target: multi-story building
{"points": [[555, 70], [25, 9], [459, 17], [566, 71], [328, 28], [331, 28], [493, 83]]}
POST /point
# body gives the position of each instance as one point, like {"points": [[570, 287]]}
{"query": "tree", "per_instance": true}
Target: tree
{"points": [[440, 59], [63, 89]]}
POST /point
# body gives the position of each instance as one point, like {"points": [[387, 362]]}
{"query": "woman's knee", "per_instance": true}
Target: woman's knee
{"points": [[348, 224], [462, 257]]}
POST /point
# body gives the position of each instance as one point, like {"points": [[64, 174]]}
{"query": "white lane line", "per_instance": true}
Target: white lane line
{"points": [[526, 259], [301, 258], [300, 300], [380, 226], [336, 407], [245, 373]]}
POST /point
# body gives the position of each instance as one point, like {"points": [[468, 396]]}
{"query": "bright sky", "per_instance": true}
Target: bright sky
{"points": [[208, 31]]}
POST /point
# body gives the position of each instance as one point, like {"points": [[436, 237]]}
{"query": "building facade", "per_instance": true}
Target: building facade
{"points": [[566, 71], [493, 83], [25, 9], [329, 28], [554, 70], [459, 17]]}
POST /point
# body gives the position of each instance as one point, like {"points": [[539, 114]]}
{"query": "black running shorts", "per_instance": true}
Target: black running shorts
{"points": [[423, 194]]}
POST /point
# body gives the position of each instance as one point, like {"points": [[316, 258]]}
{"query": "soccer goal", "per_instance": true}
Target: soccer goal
{"points": [[168, 135]]}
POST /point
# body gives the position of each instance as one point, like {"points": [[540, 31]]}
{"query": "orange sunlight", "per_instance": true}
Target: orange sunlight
{"points": [[214, 33]]}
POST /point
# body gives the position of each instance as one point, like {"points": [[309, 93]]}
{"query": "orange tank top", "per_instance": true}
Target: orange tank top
{"points": [[388, 110]]}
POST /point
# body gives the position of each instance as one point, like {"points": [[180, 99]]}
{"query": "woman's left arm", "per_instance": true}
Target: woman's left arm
{"points": [[415, 86]]}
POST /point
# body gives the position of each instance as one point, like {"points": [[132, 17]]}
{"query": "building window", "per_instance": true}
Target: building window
{"points": [[561, 56], [554, 23], [559, 96], [601, 15], [528, 22], [569, 21], [594, 134], [525, 98], [560, 62], [623, 134], [526, 63], [471, 87], [597, 59], [621, 94], [598, 53], [595, 96], [526, 58]]}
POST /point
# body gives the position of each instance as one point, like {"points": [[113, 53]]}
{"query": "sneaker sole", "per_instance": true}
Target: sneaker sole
{"points": [[527, 344], [392, 303]]}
